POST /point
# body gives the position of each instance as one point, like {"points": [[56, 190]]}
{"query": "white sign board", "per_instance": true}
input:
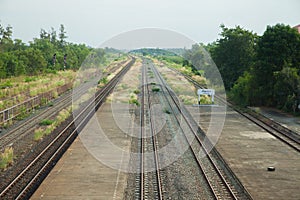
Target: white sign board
{"points": [[209, 92]]}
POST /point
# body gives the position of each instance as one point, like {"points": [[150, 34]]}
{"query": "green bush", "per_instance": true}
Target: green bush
{"points": [[134, 101], [136, 91], [7, 84], [167, 111], [46, 122], [155, 89]]}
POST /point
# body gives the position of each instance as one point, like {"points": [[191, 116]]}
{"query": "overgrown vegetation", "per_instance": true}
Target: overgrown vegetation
{"points": [[46, 54], [133, 99], [6, 158], [155, 89], [51, 125], [46, 122], [260, 70], [167, 111]]}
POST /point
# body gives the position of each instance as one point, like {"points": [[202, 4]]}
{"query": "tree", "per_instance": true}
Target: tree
{"points": [[7, 33], [53, 36], [1, 31], [19, 45], [62, 35], [278, 48], [241, 90], [233, 53], [36, 62], [18, 58], [44, 35], [287, 88], [6, 42]]}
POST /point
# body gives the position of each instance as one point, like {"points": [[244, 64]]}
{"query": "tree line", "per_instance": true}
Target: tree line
{"points": [[260, 70], [48, 53]]}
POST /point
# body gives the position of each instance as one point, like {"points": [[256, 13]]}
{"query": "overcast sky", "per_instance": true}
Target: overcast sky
{"points": [[94, 21]]}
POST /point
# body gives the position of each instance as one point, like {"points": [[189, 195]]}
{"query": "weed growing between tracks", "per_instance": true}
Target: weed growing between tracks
{"points": [[62, 116], [6, 158], [126, 91]]}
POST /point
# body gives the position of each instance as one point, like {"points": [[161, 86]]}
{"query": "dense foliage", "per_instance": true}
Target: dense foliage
{"points": [[262, 71], [233, 53], [48, 53]]}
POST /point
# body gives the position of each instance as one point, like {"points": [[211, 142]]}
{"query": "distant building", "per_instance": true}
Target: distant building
{"points": [[297, 27]]}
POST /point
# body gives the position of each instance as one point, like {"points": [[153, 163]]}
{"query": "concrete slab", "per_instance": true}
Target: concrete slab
{"points": [[79, 175], [249, 151]]}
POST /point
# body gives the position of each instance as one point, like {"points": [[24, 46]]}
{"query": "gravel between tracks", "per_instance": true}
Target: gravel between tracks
{"points": [[181, 179]]}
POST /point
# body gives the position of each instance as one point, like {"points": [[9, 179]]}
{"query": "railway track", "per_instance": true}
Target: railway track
{"points": [[150, 184], [24, 129], [282, 133], [25, 183], [221, 181], [29, 126]]}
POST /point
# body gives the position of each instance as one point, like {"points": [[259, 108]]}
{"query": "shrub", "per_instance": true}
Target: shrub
{"points": [[6, 158], [155, 89], [134, 101], [44, 101], [167, 111], [6, 84], [23, 113], [104, 80], [46, 122], [136, 91], [60, 83]]}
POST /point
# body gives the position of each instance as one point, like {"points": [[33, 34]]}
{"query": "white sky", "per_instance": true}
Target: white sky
{"points": [[94, 21]]}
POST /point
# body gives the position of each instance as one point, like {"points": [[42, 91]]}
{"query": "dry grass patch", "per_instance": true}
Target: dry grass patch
{"points": [[6, 158], [128, 88]]}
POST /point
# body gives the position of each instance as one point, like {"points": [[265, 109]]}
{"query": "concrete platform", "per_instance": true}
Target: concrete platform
{"points": [[249, 151], [79, 175]]}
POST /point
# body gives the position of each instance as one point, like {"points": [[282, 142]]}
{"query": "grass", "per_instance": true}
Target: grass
{"points": [[29, 79], [7, 84], [23, 113], [46, 122], [6, 158], [102, 82], [51, 124], [38, 134], [17, 89], [55, 94], [188, 100]]}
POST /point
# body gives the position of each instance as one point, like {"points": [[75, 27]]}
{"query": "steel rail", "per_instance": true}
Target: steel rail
{"points": [[154, 141], [284, 134], [87, 112], [230, 191]]}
